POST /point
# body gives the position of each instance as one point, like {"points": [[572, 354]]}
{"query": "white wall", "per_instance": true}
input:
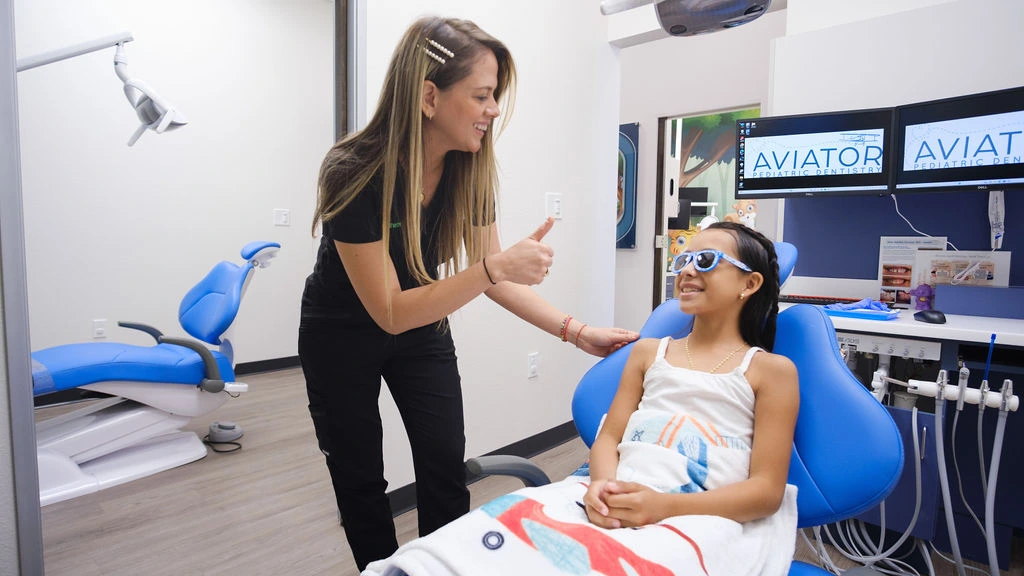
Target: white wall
{"points": [[121, 233], [807, 15], [562, 138], [673, 77], [947, 49]]}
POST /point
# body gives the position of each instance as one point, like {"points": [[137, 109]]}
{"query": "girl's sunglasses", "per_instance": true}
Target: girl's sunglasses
{"points": [[705, 261]]}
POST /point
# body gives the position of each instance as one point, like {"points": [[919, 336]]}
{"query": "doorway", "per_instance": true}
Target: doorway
{"points": [[696, 183]]}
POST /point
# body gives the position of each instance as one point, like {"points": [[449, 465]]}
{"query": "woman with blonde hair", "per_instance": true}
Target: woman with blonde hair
{"points": [[411, 195]]}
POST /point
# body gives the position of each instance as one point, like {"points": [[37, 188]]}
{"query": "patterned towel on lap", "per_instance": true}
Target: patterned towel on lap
{"points": [[543, 531]]}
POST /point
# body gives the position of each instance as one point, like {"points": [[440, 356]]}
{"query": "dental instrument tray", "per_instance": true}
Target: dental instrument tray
{"points": [[865, 314]]}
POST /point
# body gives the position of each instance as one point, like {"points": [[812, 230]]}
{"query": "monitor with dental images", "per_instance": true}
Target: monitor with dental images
{"points": [[826, 154], [973, 142]]}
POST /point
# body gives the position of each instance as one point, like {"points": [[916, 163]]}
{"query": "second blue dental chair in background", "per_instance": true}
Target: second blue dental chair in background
{"points": [[150, 392]]}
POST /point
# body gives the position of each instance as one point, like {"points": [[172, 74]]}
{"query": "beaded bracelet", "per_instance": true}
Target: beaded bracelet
{"points": [[565, 328]]}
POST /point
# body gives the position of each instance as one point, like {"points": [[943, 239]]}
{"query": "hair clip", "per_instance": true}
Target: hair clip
{"points": [[432, 55], [443, 50]]}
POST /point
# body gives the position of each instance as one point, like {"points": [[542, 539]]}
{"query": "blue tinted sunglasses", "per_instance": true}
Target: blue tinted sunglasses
{"points": [[705, 261]]}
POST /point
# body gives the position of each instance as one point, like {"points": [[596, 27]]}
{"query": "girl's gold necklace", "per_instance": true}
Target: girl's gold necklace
{"points": [[686, 346]]}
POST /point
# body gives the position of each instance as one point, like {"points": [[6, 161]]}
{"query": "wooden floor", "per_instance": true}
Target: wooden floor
{"points": [[268, 509]]}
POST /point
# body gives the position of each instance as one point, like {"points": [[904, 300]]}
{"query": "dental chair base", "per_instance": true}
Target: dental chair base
{"points": [[117, 440], [60, 478]]}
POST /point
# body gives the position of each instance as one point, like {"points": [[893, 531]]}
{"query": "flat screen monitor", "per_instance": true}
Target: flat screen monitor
{"points": [[968, 142], [829, 154]]}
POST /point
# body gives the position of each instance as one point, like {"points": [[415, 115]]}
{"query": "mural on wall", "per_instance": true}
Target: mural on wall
{"points": [[743, 212], [706, 148], [625, 221]]}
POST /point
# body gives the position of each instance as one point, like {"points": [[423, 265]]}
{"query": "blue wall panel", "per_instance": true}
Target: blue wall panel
{"points": [[838, 237]]}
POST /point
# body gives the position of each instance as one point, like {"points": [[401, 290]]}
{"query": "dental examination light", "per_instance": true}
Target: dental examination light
{"points": [[692, 17], [154, 112]]}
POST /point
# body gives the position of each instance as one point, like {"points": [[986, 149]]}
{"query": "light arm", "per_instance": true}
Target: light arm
{"points": [[615, 6], [52, 56]]}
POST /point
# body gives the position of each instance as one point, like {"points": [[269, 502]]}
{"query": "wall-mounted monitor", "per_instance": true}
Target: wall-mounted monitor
{"points": [[968, 142], [830, 154]]}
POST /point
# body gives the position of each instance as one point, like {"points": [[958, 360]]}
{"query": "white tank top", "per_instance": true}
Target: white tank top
{"points": [[692, 430]]}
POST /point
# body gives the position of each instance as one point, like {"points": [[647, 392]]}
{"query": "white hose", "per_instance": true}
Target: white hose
{"points": [[944, 484], [869, 560], [981, 445], [960, 480], [926, 555], [990, 499]]}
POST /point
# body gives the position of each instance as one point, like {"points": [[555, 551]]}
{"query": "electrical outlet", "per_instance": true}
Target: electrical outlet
{"points": [[282, 217], [532, 360], [99, 328]]}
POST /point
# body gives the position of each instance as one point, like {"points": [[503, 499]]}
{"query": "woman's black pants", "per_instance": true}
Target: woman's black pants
{"points": [[343, 366]]}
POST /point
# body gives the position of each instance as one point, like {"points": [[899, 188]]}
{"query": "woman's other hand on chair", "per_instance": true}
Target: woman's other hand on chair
{"points": [[633, 504], [603, 341]]}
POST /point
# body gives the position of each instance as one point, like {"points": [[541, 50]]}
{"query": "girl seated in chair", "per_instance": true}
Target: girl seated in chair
{"points": [[688, 472], [717, 392]]}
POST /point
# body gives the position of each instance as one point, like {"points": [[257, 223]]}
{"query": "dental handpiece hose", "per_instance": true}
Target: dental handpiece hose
{"points": [[988, 361], [965, 374], [943, 481], [981, 415], [990, 497]]}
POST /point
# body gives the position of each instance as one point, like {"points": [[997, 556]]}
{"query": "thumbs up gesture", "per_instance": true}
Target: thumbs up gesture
{"points": [[527, 261]]}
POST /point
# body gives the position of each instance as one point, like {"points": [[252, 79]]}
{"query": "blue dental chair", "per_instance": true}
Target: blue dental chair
{"points": [[149, 392], [847, 451]]}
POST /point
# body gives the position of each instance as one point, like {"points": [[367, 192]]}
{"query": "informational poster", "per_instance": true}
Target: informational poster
{"points": [[972, 268], [625, 223], [896, 260]]}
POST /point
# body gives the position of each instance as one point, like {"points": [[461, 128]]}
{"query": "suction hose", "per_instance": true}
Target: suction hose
{"points": [[990, 497], [943, 481]]}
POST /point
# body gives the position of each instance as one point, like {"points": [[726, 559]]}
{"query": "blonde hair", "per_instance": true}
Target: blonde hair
{"points": [[393, 142]]}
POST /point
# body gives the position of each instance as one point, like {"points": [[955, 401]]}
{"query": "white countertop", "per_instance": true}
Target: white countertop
{"points": [[979, 329]]}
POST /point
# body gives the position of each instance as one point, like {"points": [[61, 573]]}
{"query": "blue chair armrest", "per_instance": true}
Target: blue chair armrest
{"points": [[212, 382], [503, 465]]}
